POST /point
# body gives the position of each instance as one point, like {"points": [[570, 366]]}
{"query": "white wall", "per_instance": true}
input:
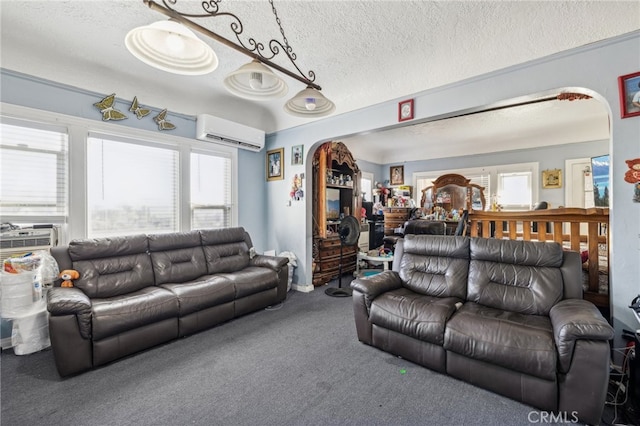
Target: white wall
{"points": [[592, 69]]}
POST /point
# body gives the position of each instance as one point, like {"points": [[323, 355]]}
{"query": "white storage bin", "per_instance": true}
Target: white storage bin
{"points": [[31, 330], [18, 293]]}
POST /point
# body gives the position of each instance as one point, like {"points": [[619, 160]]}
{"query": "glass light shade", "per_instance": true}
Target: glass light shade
{"points": [[309, 103], [172, 47], [255, 81]]}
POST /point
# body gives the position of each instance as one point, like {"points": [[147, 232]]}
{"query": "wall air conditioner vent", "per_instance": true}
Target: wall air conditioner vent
{"points": [[21, 241], [219, 130]]}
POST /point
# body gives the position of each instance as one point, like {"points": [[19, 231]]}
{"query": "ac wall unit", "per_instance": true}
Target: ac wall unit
{"points": [[21, 241], [219, 130]]}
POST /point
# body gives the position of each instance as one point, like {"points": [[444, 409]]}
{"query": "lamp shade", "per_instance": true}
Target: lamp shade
{"points": [[309, 103], [172, 47], [255, 81]]}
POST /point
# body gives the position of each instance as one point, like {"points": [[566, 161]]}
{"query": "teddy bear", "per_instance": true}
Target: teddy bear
{"points": [[68, 275], [633, 174]]}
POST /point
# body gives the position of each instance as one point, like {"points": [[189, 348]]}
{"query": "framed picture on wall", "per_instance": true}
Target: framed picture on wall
{"points": [[629, 87], [397, 175], [275, 164], [552, 179], [297, 155], [405, 110]]}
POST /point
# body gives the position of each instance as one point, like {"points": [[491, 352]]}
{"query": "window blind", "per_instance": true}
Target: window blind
{"points": [[515, 190], [33, 176], [210, 190], [132, 187]]}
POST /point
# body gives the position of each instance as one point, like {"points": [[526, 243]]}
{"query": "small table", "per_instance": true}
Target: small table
{"points": [[364, 256]]}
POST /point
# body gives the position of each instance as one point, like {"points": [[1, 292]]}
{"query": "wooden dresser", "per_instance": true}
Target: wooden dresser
{"points": [[395, 217], [326, 255]]}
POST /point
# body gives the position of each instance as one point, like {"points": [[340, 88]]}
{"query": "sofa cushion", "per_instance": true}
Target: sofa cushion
{"points": [[202, 294], [111, 266], [117, 314], [416, 315], [511, 340], [177, 257], [226, 250], [251, 280], [435, 265], [517, 276]]}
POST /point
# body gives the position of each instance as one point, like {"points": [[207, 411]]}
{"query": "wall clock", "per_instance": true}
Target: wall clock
{"points": [[405, 110]]}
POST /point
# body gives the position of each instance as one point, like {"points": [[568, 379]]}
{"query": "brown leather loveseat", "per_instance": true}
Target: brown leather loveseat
{"points": [[135, 292], [504, 315]]}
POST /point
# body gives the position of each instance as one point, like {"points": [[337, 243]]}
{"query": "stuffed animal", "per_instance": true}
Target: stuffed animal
{"points": [[633, 174], [68, 275]]}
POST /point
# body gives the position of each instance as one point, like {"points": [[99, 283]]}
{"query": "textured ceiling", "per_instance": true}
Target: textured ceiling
{"points": [[363, 52]]}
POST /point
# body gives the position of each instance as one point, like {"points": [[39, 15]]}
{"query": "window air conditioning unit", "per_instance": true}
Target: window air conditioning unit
{"points": [[219, 130], [21, 241]]}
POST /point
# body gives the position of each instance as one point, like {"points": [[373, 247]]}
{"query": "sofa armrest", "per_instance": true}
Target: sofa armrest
{"points": [[576, 319], [272, 262], [374, 285], [71, 301]]}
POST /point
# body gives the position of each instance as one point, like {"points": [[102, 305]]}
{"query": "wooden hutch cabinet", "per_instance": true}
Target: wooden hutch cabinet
{"points": [[336, 193]]}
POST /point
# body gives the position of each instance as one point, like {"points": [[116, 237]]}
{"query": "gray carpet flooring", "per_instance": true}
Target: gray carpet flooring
{"points": [[300, 364]]}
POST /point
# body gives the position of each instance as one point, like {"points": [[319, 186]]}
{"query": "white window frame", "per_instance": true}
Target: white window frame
{"points": [[78, 131]]}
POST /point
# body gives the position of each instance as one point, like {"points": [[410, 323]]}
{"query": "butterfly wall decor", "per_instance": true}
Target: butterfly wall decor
{"points": [[108, 111], [137, 109], [163, 124]]}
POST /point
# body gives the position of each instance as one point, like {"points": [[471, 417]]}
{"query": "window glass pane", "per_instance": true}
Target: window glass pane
{"points": [[210, 191], [131, 188], [515, 190], [33, 172]]}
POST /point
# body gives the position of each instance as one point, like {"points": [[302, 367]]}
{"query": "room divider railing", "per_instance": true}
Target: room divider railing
{"points": [[583, 230]]}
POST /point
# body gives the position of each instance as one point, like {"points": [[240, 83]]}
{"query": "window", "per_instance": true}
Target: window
{"points": [[132, 188], [514, 190], [33, 172], [210, 191]]}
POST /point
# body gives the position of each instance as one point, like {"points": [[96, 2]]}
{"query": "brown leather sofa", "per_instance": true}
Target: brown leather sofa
{"points": [[504, 315], [135, 292]]}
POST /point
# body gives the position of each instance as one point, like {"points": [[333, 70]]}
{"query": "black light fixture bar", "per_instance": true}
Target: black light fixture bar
{"points": [[173, 14]]}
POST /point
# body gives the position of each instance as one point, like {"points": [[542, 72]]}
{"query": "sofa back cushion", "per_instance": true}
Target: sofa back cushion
{"points": [[177, 257], [435, 265], [226, 250], [111, 266], [517, 276]]}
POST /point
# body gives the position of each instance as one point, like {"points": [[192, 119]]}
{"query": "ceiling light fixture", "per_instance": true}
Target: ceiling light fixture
{"points": [[170, 46], [255, 81], [176, 51], [309, 103]]}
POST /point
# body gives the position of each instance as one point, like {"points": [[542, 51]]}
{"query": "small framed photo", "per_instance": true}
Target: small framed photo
{"points": [[405, 110], [552, 179], [275, 165], [397, 175], [629, 87], [297, 155]]}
